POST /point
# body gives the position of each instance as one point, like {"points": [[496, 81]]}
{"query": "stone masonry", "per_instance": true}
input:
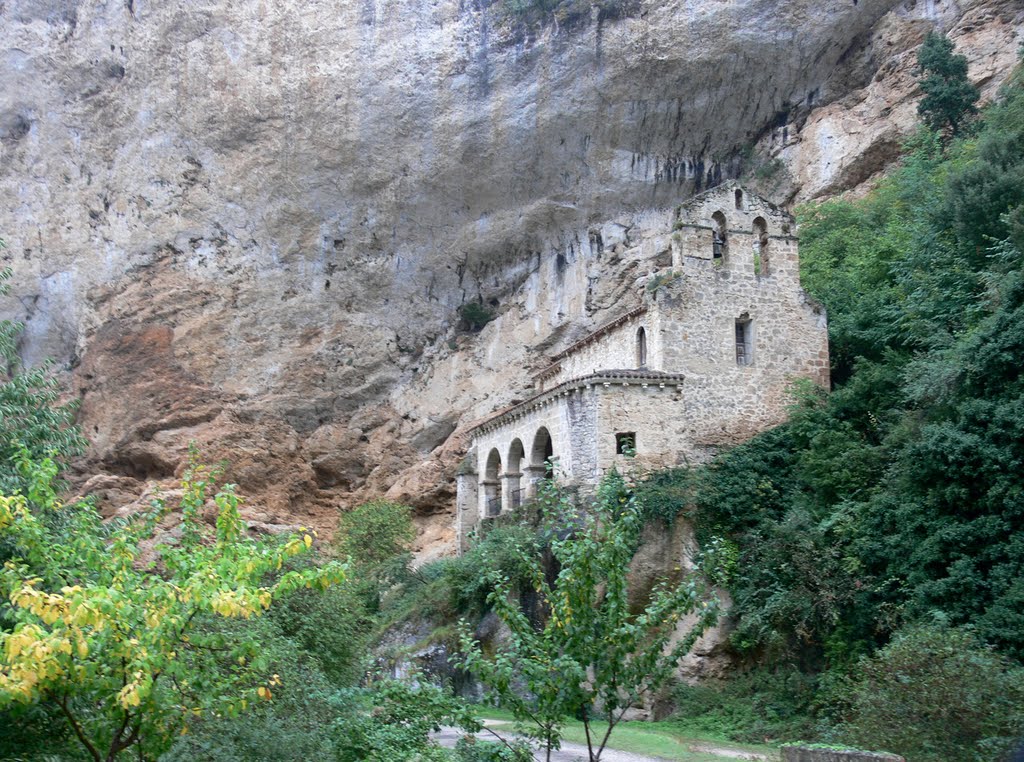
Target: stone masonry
{"points": [[706, 360]]}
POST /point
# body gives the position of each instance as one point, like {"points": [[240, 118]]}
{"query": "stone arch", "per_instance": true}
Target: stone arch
{"points": [[514, 473], [543, 447], [541, 453], [719, 236], [492, 483], [761, 249], [641, 347]]}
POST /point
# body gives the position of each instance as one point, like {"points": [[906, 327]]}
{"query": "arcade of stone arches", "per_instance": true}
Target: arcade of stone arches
{"points": [[508, 489]]}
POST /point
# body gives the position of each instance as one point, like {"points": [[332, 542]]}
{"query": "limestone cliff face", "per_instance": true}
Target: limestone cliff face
{"points": [[252, 224]]}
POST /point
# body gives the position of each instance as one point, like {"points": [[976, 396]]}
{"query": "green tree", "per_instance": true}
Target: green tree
{"points": [[108, 619], [935, 694], [376, 536], [397, 728], [593, 657], [33, 417], [31, 414], [949, 97], [475, 316]]}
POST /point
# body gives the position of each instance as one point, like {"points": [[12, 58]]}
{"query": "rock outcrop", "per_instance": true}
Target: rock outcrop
{"points": [[253, 224]]}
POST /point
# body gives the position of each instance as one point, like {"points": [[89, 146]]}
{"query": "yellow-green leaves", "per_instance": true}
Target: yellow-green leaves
{"points": [[11, 509], [106, 616]]}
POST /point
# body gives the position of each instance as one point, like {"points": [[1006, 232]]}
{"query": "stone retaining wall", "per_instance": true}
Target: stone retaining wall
{"points": [[811, 754]]}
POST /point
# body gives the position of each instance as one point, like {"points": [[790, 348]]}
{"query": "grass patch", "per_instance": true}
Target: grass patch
{"points": [[668, 740]]}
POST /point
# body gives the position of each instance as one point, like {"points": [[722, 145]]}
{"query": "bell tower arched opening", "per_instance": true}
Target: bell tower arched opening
{"points": [[761, 250], [719, 236]]}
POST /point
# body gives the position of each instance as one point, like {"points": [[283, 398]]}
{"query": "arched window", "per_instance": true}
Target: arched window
{"points": [[513, 473], [543, 449], [641, 347], [492, 484], [739, 199], [541, 452], [761, 251], [719, 243]]}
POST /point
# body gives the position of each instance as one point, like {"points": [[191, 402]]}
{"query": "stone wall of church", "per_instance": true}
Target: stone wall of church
{"points": [[696, 311], [561, 417], [654, 416], [616, 349], [694, 295]]}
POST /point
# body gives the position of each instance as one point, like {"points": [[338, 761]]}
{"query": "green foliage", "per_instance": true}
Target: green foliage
{"points": [[377, 536], [901, 493], [471, 749], [949, 97], [376, 533], [592, 656], [768, 168], [665, 494], [475, 316], [294, 726], [501, 551], [116, 646], [935, 694], [31, 414], [450, 588], [331, 625], [659, 281], [763, 704], [397, 727]]}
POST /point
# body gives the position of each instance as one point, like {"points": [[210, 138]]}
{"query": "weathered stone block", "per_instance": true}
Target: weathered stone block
{"points": [[811, 754]]}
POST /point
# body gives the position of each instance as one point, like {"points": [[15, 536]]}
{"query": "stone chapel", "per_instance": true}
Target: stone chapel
{"points": [[706, 360]]}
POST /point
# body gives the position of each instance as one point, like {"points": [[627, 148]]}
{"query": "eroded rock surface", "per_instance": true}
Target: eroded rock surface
{"points": [[252, 224]]}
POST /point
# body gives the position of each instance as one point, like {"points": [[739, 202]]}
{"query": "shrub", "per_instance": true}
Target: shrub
{"points": [[398, 724], [663, 495], [450, 588], [475, 316], [471, 749], [31, 416], [293, 727], [936, 694], [501, 550], [757, 706], [376, 533], [376, 536]]}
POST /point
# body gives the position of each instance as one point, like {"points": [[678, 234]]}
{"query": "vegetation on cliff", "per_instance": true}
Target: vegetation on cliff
{"points": [[896, 502], [31, 413], [873, 546], [592, 655]]}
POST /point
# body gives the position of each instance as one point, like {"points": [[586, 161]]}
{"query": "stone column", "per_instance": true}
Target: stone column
{"points": [[491, 494], [533, 476], [467, 508], [511, 497]]}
